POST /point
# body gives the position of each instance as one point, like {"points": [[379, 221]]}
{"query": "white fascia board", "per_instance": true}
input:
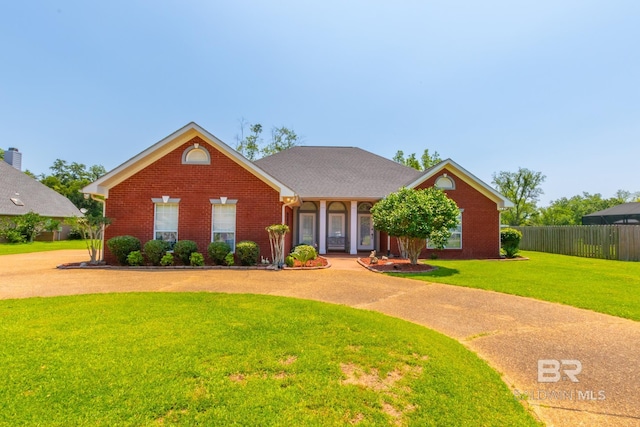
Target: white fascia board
{"points": [[102, 185], [469, 178]]}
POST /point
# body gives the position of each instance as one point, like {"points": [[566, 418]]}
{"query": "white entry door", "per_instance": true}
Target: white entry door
{"points": [[365, 232], [336, 240], [308, 228]]}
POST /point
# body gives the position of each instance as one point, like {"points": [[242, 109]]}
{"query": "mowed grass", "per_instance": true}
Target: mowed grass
{"points": [[216, 359], [611, 287], [25, 248]]}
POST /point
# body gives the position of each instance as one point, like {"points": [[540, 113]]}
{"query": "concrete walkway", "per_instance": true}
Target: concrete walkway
{"points": [[511, 333]]}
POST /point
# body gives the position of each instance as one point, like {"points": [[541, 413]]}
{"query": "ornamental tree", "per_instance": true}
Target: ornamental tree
{"points": [[415, 216]]}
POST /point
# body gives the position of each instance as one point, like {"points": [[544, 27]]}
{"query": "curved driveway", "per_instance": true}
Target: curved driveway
{"points": [[512, 333]]}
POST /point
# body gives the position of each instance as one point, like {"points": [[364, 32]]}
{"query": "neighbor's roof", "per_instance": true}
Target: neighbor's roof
{"points": [[631, 208], [337, 172], [30, 195]]}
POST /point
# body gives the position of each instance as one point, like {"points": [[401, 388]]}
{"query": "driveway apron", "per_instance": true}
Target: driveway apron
{"points": [[574, 367]]}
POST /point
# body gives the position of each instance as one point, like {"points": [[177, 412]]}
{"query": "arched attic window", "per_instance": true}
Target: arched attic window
{"points": [[196, 155], [445, 182]]}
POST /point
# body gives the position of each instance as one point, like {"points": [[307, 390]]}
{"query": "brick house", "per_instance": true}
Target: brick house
{"points": [[192, 186]]}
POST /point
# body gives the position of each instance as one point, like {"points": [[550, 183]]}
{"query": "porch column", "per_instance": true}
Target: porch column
{"points": [[322, 249], [353, 228]]}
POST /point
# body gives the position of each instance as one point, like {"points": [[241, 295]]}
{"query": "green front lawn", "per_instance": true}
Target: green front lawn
{"points": [[611, 287], [215, 359], [25, 248]]}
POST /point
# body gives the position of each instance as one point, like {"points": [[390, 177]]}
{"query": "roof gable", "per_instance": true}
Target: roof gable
{"points": [[137, 163], [468, 177], [29, 194]]}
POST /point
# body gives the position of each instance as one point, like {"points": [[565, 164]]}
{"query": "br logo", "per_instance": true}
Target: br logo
{"points": [[552, 370]]}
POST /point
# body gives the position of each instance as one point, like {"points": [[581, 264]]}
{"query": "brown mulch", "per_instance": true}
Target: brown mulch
{"points": [[395, 265], [318, 262]]}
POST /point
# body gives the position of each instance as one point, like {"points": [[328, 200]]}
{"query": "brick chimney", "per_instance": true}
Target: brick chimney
{"points": [[13, 157]]}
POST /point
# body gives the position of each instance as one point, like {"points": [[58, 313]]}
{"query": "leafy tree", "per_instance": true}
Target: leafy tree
{"points": [[282, 138], [68, 179], [253, 147], [523, 189], [91, 229], [413, 216], [569, 211], [1, 154], [426, 161]]}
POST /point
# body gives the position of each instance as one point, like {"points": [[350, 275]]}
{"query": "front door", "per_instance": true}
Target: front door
{"points": [[337, 238], [308, 228], [365, 232]]}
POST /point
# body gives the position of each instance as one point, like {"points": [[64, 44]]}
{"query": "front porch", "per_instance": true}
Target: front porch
{"points": [[335, 226]]}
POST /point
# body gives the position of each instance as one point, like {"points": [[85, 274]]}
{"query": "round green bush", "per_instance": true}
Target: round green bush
{"points": [[167, 260], [229, 259], [122, 246], [196, 259], [247, 252], [218, 251], [304, 253], [155, 250], [510, 239], [289, 261], [183, 250], [135, 258]]}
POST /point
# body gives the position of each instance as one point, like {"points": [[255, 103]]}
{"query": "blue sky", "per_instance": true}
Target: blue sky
{"points": [[553, 86]]}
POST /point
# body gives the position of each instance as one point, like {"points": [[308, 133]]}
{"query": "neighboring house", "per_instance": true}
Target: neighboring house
{"points": [[626, 213], [192, 186], [21, 194]]}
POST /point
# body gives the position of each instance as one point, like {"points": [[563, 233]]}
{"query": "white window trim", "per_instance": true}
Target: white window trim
{"points": [[198, 147], [160, 201], [454, 232], [230, 202], [441, 178]]}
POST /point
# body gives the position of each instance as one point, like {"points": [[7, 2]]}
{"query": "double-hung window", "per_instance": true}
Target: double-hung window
{"points": [[455, 240], [166, 222], [223, 224]]}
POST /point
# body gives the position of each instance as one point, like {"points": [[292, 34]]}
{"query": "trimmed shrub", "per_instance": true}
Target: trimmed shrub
{"points": [[122, 246], [155, 250], [289, 261], [135, 258], [229, 259], [218, 251], [247, 252], [167, 260], [304, 253], [510, 239], [183, 250], [196, 259]]}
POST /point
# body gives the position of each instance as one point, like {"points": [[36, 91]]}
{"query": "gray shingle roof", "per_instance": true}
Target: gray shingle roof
{"points": [[337, 172], [630, 208], [35, 196]]}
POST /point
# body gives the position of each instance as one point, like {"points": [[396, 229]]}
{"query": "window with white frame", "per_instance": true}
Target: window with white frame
{"points": [[223, 224], [455, 240], [166, 222]]}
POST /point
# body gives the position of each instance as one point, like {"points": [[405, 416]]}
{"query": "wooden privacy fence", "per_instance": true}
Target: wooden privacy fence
{"points": [[621, 242]]}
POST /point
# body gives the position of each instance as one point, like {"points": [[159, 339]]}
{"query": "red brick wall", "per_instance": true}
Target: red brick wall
{"points": [[132, 211], [480, 223]]}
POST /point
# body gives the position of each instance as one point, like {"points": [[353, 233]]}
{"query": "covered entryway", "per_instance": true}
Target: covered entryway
{"points": [[336, 230]]}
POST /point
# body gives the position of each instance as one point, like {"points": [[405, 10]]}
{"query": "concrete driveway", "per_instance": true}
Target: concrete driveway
{"points": [[511, 333]]}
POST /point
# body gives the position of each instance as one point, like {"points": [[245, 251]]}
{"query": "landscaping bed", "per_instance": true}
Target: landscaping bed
{"points": [[395, 265]]}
